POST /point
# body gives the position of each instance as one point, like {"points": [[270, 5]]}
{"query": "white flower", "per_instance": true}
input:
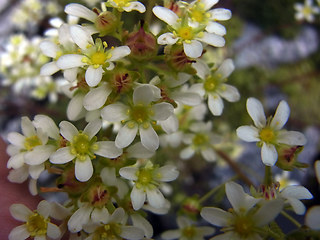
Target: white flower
{"points": [[306, 11], [214, 86], [147, 179], [269, 132], [83, 147], [243, 222], [200, 14], [126, 5], [201, 141], [284, 180], [184, 33], [30, 148], [138, 117], [37, 223], [187, 231], [94, 56], [312, 218], [114, 227]]}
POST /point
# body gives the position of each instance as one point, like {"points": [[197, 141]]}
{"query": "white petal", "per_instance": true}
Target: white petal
{"points": [[187, 153], [131, 232], [291, 138], [49, 48], [155, 198], [19, 175], [75, 108], [212, 39], [281, 116], [226, 68], [36, 170], [48, 69], [97, 97], [221, 14], [70, 74], [297, 206], [44, 208], [312, 219], [78, 219], [126, 136], [93, 128], [193, 49], [135, 6], [238, 198], [68, 130], [268, 212], [93, 75], [171, 234], [317, 170], [142, 223], [16, 139], [216, 216], [170, 125], [209, 3], [20, 212], [216, 28], [119, 52], [162, 111], [99, 215], [165, 15], [62, 156], [115, 112], [298, 192], [167, 38], [256, 112], [16, 161], [27, 127], [167, 173], [138, 197], [53, 231], [149, 138], [215, 104], [187, 98], [32, 186], [83, 169], [39, 154], [137, 150], [47, 125], [129, 173], [202, 68], [248, 133], [209, 154], [70, 61], [80, 11], [269, 154], [229, 93], [143, 95], [108, 149], [19, 233]]}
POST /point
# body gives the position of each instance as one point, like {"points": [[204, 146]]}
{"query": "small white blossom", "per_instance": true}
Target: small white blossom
{"points": [[306, 11], [83, 147], [242, 222], [269, 133], [139, 117], [126, 5], [187, 231], [37, 223], [147, 179]]}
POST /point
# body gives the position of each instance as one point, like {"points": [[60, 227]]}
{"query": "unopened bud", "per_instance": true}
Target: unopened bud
{"points": [[106, 23], [287, 157], [177, 60]]}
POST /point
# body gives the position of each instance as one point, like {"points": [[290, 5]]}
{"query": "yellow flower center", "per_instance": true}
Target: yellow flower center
{"points": [[109, 231], [99, 58], [122, 3], [200, 139], [307, 11], [211, 83], [31, 142], [37, 225], [243, 226], [144, 176], [82, 146], [140, 113], [186, 33], [267, 135]]}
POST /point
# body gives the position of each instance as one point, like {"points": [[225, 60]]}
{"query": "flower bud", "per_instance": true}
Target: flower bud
{"points": [[177, 60], [287, 157], [191, 206], [143, 45], [106, 23]]}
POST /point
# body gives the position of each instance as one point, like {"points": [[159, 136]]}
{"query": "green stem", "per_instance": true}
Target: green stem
{"points": [[214, 190], [268, 176], [149, 7], [291, 219]]}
